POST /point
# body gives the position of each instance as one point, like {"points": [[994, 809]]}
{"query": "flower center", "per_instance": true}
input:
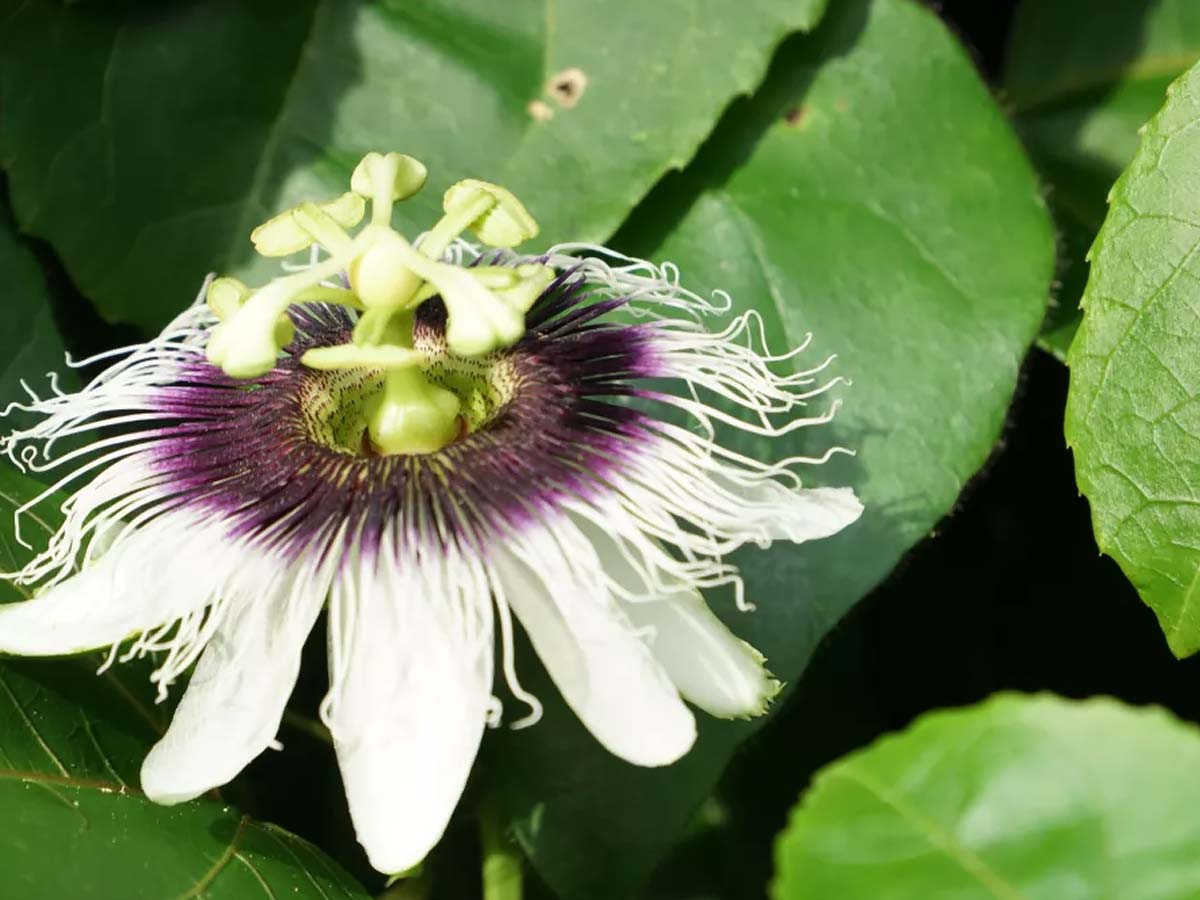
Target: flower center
{"points": [[337, 405], [333, 406], [386, 278]]}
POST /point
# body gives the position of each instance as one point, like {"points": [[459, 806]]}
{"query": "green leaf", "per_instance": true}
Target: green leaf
{"points": [[1135, 373], [177, 129], [893, 214], [1081, 85], [71, 745], [1019, 798], [30, 343]]}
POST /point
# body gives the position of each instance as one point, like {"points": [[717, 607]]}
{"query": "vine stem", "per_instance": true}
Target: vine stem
{"points": [[502, 876], [311, 727]]}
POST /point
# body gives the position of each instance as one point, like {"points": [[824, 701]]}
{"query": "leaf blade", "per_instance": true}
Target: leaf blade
{"points": [[1134, 377], [159, 163], [1020, 798]]}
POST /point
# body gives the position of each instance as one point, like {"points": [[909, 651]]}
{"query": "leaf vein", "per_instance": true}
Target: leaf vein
{"points": [[933, 832]]}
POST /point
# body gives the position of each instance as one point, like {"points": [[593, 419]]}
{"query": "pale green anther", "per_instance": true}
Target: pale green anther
{"points": [[384, 178], [248, 343], [532, 281], [403, 174], [505, 222], [347, 210], [478, 322], [298, 228], [351, 356], [495, 278], [225, 297], [519, 287]]}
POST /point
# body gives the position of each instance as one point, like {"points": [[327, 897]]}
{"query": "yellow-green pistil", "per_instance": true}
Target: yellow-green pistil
{"points": [[389, 278]]}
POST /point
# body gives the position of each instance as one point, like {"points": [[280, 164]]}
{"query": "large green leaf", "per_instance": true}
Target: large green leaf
{"points": [[1135, 373], [1019, 798], [892, 213], [1081, 85], [30, 343], [71, 744], [177, 128]]}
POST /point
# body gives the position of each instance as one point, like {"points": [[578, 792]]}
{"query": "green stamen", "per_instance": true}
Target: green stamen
{"points": [[389, 278]]}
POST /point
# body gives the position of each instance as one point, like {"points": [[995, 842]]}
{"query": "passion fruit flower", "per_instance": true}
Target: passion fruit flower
{"points": [[426, 441]]}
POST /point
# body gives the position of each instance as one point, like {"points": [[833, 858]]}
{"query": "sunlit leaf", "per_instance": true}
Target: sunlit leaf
{"points": [[1135, 373], [1020, 798], [178, 128]]}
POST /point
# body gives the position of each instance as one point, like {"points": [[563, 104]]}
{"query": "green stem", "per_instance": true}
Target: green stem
{"points": [[502, 876], [418, 887], [311, 727]]}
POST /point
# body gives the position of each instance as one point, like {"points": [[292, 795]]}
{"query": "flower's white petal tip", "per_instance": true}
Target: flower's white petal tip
{"points": [[407, 708], [47, 625], [164, 783], [757, 697], [396, 862], [604, 670], [821, 512], [843, 505], [753, 694], [234, 702], [397, 837], [655, 748]]}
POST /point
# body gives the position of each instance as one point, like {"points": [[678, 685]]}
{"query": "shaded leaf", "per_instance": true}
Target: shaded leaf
{"points": [[849, 220], [1020, 798], [1081, 85], [30, 343], [178, 128], [1135, 375]]}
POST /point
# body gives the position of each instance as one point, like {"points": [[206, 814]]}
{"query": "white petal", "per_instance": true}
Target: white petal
{"points": [[235, 700], [605, 672], [708, 663], [711, 666], [408, 714], [151, 576], [799, 515]]}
